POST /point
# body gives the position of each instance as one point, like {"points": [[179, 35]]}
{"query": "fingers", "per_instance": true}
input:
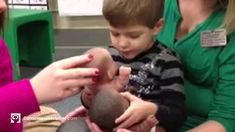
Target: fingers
{"points": [[79, 73], [95, 128], [74, 61], [92, 126], [124, 70], [78, 83], [128, 122], [123, 77], [123, 130], [124, 116], [152, 120], [129, 96], [80, 111], [127, 114]]}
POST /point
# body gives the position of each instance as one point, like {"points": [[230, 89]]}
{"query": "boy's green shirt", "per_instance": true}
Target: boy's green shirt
{"points": [[209, 72]]}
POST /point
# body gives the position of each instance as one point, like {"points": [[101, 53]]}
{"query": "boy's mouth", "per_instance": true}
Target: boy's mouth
{"points": [[125, 53]]}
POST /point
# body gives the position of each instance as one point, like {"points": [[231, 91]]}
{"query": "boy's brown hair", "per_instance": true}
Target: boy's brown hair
{"points": [[128, 12]]}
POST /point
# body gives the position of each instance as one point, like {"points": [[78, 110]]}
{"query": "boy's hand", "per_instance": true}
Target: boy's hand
{"points": [[123, 77], [138, 111]]}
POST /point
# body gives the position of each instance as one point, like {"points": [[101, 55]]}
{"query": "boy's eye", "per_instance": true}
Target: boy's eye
{"points": [[134, 36], [115, 34]]}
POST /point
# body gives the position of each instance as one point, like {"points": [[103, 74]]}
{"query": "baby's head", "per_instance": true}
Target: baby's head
{"points": [[104, 62], [107, 106]]}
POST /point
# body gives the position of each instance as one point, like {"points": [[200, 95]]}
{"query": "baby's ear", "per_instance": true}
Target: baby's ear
{"points": [[111, 72]]}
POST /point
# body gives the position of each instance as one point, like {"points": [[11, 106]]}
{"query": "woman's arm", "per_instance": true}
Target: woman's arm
{"points": [[18, 98], [209, 126], [57, 81]]}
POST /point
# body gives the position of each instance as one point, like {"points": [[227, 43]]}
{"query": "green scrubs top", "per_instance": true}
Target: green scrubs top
{"points": [[209, 72]]}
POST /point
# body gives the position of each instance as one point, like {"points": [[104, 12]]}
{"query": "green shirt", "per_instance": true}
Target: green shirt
{"points": [[209, 72]]}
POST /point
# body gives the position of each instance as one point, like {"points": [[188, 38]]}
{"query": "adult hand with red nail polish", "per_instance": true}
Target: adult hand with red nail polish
{"points": [[63, 78]]}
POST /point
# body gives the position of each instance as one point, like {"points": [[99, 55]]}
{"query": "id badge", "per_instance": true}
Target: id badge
{"points": [[213, 38]]}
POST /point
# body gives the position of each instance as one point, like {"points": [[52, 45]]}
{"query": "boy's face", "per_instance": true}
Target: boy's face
{"points": [[132, 40]]}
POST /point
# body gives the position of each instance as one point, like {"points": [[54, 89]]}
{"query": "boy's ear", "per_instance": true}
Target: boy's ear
{"points": [[158, 26]]}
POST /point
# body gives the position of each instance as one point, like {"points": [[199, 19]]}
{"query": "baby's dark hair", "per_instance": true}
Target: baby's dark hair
{"points": [[106, 107], [78, 125]]}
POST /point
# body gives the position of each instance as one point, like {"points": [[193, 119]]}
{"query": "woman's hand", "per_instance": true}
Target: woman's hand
{"points": [[63, 78], [138, 111]]}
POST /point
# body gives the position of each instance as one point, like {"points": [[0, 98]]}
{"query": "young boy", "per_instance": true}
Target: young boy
{"points": [[156, 73]]}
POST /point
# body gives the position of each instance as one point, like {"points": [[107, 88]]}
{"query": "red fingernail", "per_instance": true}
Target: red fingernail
{"points": [[90, 56], [97, 72], [94, 80]]}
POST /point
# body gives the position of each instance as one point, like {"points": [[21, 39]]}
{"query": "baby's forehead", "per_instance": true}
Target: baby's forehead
{"points": [[98, 52], [102, 57]]}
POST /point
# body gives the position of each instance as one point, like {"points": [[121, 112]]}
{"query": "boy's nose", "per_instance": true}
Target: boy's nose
{"points": [[123, 43], [3, 6]]}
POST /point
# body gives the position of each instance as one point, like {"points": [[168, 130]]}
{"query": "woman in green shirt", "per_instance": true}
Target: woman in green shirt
{"points": [[195, 30]]}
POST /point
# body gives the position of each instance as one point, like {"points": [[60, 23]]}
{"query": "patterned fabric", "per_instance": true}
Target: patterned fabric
{"points": [[157, 76]]}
